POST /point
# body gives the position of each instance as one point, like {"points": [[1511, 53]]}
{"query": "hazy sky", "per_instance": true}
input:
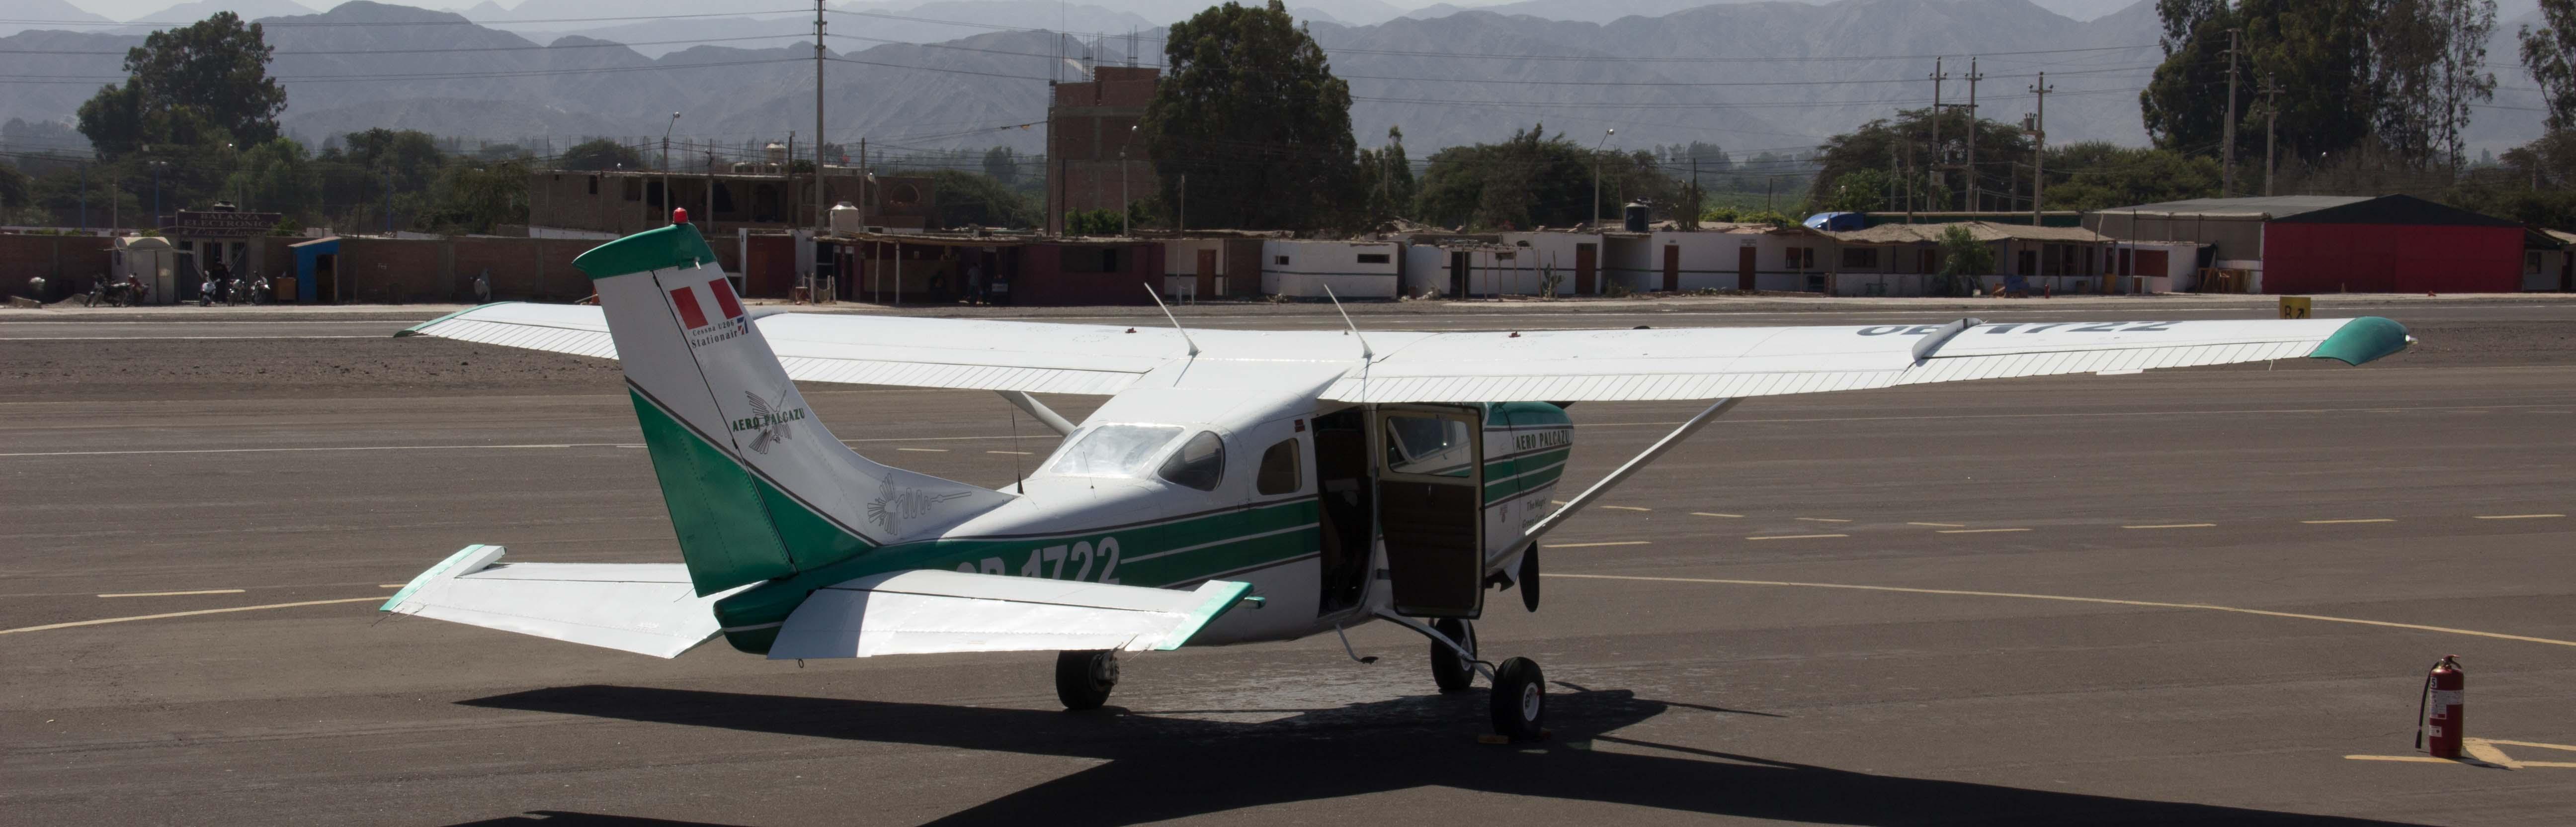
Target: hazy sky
{"points": [[133, 9]]}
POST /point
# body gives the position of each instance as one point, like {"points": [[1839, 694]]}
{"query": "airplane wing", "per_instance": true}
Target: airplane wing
{"points": [[1711, 363], [651, 609], [1478, 366], [924, 611], [646, 608], [868, 350]]}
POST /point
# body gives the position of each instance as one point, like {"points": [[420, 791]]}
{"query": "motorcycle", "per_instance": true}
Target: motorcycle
{"points": [[206, 291], [257, 292]]}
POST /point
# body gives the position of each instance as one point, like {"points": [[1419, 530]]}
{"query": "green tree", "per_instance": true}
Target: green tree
{"points": [[1909, 142], [1250, 115], [2430, 57], [1860, 190], [15, 193], [1091, 222], [475, 197], [968, 198], [189, 85], [2098, 175], [411, 156], [1002, 164], [1534, 179], [2549, 53], [1385, 178], [599, 154], [1963, 259], [277, 176]]}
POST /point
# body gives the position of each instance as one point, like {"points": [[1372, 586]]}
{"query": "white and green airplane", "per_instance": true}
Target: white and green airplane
{"points": [[1236, 486]]}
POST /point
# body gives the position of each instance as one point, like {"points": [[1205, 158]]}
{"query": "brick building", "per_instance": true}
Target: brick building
{"points": [[627, 202], [1088, 124]]}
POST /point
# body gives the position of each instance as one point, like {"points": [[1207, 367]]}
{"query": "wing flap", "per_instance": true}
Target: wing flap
{"points": [[930, 611], [648, 608]]}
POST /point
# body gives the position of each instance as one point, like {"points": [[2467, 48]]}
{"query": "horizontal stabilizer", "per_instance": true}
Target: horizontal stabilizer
{"points": [[646, 608], [927, 611]]}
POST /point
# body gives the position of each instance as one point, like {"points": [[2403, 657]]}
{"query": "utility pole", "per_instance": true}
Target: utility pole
{"points": [[2271, 116], [1973, 77], [2039, 153], [1933, 168], [1596, 176], [864, 180], [1182, 223], [2227, 172], [820, 216]]}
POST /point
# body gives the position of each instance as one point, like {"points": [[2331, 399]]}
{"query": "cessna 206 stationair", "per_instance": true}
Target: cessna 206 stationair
{"points": [[1236, 486]]}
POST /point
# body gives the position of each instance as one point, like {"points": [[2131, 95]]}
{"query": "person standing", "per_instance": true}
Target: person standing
{"points": [[975, 283]]}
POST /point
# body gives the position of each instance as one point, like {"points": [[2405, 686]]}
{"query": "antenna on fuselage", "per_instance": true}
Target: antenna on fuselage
{"points": [[1176, 320], [1365, 353]]}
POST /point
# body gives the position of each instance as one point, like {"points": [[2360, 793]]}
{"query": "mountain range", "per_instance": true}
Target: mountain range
{"points": [[1748, 76]]}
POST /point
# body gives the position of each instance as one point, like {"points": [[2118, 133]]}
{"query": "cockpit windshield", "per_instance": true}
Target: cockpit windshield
{"points": [[1114, 451]]}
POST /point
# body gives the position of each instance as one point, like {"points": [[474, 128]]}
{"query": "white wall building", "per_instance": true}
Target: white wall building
{"points": [[1353, 269]]}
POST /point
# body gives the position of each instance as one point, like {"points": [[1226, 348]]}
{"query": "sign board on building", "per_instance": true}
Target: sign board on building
{"points": [[196, 224], [2294, 307]]}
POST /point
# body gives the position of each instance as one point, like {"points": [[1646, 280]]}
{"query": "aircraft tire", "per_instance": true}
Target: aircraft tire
{"points": [[1520, 700], [1449, 671], [1083, 678]]}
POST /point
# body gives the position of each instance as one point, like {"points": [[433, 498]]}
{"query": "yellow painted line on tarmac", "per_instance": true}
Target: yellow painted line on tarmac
{"points": [[1978, 530], [1590, 545], [173, 594], [1626, 508], [1820, 519], [1942, 525], [2346, 522], [391, 585], [1013, 453], [2482, 752], [2517, 516], [2175, 525], [1715, 514], [2067, 599], [1796, 536], [104, 620]]}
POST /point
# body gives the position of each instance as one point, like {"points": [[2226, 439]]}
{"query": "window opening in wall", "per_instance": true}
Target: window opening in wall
{"points": [[1373, 258], [1860, 257], [594, 185], [1282, 260], [634, 190]]}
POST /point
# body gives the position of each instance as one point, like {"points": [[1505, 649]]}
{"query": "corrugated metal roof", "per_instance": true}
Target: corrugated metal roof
{"points": [[1984, 231], [2275, 206]]}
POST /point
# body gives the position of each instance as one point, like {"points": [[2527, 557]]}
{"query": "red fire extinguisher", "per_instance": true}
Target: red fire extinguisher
{"points": [[2443, 690]]}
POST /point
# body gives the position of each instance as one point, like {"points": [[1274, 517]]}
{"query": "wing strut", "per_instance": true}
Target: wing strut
{"points": [[1046, 415], [1633, 465]]}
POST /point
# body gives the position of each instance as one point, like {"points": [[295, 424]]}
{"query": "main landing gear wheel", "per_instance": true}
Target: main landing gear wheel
{"points": [[1451, 672], [1520, 700], [1083, 678]]}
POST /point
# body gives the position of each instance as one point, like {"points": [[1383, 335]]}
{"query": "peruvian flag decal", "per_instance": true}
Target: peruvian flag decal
{"points": [[693, 315]]}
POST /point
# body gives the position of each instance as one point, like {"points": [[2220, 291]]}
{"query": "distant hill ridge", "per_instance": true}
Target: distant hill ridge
{"points": [[1749, 76]]}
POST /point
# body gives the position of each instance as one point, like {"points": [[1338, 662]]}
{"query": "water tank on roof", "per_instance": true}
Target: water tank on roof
{"points": [[777, 152], [845, 218], [1635, 215]]}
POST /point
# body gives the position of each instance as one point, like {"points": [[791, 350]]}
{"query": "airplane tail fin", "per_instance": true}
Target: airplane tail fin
{"points": [[756, 486]]}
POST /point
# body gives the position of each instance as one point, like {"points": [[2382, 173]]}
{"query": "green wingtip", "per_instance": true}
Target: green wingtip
{"points": [[1218, 602], [2362, 340]]}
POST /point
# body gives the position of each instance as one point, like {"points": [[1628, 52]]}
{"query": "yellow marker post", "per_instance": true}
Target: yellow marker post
{"points": [[2294, 307]]}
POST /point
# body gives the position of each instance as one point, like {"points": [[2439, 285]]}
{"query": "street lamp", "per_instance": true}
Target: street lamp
{"points": [[1123, 230], [666, 165], [1596, 176], [156, 193]]}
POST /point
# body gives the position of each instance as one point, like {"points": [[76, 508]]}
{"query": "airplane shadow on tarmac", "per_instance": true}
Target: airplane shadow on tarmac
{"points": [[1163, 767]]}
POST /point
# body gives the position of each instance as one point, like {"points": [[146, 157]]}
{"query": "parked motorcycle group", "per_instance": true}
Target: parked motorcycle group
{"points": [[214, 290]]}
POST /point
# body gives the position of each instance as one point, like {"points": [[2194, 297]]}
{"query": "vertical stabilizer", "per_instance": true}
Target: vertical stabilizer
{"points": [[756, 486]]}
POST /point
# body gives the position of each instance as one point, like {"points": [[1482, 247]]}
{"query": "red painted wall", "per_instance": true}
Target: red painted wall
{"points": [[2386, 258], [1040, 278]]}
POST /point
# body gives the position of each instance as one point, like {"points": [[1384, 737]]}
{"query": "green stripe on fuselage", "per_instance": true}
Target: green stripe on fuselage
{"points": [[1170, 553]]}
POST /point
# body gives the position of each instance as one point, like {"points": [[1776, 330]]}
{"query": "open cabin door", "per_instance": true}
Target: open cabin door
{"points": [[1431, 507]]}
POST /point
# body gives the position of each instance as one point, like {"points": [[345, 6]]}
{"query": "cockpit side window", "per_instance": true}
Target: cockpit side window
{"points": [[1200, 463], [1113, 450], [1279, 469]]}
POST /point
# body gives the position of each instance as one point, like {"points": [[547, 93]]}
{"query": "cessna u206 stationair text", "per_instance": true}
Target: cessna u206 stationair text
{"points": [[1236, 486]]}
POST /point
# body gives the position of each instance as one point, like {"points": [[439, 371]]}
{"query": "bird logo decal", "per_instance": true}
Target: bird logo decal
{"points": [[772, 418]]}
